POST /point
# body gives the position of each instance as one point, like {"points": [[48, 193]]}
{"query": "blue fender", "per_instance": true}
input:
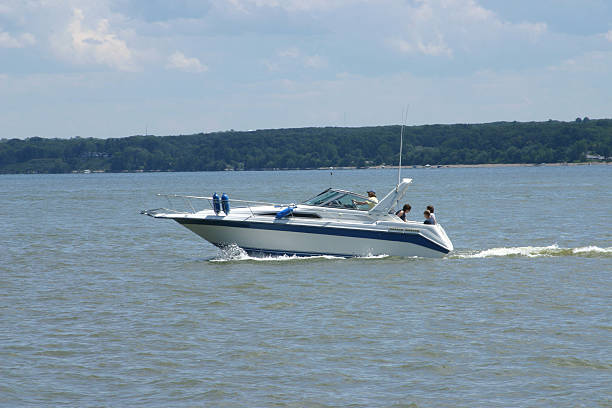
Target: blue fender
{"points": [[216, 203], [225, 203], [283, 213]]}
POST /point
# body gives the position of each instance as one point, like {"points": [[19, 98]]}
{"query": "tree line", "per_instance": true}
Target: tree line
{"points": [[304, 148]]}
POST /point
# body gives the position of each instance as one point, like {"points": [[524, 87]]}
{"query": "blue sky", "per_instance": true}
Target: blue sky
{"points": [[114, 68]]}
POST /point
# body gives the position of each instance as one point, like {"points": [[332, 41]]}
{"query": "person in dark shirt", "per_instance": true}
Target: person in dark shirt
{"points": [[405, 210], [430, 208], [428, 219]]}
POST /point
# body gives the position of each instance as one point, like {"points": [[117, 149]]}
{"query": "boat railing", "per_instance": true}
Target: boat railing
{"points": [[190, 205], [188, 202]]}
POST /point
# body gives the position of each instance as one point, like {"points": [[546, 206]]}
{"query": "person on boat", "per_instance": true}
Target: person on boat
{"points": [[430, 208], [371, 201], [428, 219], [405, 210]]}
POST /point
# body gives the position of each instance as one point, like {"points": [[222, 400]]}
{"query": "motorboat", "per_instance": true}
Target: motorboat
{"points": [[335, 222]]}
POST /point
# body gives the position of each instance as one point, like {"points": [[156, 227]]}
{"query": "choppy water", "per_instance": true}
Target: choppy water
{"points": [[102, 306]]}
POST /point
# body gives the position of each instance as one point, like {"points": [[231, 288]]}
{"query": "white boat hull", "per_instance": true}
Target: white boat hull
{"points": [[285, 237]]}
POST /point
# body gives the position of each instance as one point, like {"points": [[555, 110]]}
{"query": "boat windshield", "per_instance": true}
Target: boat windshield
{"points": [[322, 198], [339, 199]]}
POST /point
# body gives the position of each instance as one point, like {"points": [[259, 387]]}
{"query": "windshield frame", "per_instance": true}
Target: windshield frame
{"points": [[342, 199]]}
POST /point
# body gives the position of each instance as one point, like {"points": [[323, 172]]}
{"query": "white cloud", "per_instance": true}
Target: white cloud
{"points": [[443, 27], [315, 61], [587, 63], [9, 41], [179, 61], [84, 45], [474, 12], [434, 49], [294, 53], [533, 30], [290, 5], [270, 66], [608, 35]]}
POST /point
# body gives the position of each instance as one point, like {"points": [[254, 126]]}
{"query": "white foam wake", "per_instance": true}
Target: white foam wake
{"points": [[592, 249], [534, 251], [234, 253], [370, 256]]}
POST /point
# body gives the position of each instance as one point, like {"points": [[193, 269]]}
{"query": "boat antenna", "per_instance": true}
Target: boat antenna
{"points": [[331, 176], [399, 168]]}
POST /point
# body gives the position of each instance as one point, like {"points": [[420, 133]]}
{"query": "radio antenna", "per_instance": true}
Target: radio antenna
{"points": [[399, 169]]}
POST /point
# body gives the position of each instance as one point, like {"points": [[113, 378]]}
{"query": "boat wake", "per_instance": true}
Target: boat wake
{"points": [[234, 253], [533, 252]]}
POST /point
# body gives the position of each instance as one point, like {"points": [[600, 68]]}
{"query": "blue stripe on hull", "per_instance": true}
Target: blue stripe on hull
{"points": [[415, 239]]}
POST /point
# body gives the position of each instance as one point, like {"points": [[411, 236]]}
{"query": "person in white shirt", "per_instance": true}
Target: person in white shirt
{"points": [[371, 201]]}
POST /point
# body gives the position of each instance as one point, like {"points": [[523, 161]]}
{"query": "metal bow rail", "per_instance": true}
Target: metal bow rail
{"points": [[187, 201]]}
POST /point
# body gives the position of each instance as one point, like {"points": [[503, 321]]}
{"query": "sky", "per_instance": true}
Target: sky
{"points": [[115, 68]]}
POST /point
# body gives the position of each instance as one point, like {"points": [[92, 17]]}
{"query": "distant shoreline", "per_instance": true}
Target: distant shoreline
{"points": [[490, 165], [437, 166]]}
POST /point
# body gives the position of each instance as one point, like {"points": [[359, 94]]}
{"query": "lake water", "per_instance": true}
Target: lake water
{"points": [[102, 306]]}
